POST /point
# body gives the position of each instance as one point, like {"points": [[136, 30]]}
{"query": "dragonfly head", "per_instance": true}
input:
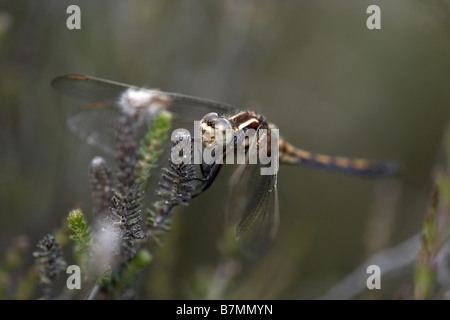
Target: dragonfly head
{"points": [[216, 130]]}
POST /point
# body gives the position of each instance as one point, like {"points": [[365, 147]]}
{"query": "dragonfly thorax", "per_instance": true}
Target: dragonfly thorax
{"points": [[216, 130]]}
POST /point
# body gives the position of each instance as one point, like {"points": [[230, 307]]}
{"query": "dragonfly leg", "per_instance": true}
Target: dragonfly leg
{"points": [[209, 175]]}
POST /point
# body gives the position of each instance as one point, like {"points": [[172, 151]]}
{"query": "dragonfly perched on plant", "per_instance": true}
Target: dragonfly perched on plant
{"points": [[253, 196]]}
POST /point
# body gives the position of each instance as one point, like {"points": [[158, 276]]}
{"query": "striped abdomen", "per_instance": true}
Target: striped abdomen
{"points": [[292, 155]]}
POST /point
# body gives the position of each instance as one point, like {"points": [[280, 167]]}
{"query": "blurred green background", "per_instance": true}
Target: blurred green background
{"points": [[311, 67]]}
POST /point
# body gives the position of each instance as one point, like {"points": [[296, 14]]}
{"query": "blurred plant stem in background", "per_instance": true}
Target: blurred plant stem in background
{"points": [[435, 231], [432, 272], [427, 258]]}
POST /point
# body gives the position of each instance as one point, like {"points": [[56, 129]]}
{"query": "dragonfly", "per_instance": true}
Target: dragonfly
{"points": [[253, 199]]}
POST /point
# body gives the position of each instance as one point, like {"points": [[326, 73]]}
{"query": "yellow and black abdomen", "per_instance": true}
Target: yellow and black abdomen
{"points": [[292, 155]]}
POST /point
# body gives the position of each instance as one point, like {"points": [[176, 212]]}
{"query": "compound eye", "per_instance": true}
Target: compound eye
{"points": [[223, 131], [210, 118]]}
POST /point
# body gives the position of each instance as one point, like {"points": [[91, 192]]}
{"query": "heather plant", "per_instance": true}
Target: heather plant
{"points": [[112, 249]]}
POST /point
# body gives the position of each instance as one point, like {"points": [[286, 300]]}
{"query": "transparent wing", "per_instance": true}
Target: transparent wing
{"points": [[95, 121], [89, 89], [94, 90], [254, 198], [253, 201], [97, 126]]}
